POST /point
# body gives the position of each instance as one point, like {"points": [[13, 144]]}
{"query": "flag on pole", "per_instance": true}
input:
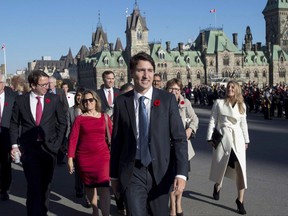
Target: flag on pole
{"points": [[3, 47], [213, 11]]}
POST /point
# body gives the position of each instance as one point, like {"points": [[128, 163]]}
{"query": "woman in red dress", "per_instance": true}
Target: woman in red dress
{"points": [[87, 145]]}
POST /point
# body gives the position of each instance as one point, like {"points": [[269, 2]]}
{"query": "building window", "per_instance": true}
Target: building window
{"points": [[226, 60], [255, 74], [264, 74], [178, 75], [282, 72], [247, 74], [165, 76], [198, 75]]}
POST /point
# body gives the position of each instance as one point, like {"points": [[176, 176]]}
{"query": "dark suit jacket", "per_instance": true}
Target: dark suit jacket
{"points": [[52, 125], [63, 99], [104, 102], [166, 128], [6, 117]]}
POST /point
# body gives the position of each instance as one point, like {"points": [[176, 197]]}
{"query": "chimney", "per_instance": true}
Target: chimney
{"points": [[180, 47], [203, 43], [111, 47], [255, 47], [235, 39], [259, 45], [168, 49]]}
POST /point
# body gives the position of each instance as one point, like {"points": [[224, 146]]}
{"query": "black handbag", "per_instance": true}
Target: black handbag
{"points": [[216, 138]]}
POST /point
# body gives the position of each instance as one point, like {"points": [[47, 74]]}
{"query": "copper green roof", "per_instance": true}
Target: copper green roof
{"points": [[178, 59], [252, 58], [216, 41], [275, 4], [277, 52]]}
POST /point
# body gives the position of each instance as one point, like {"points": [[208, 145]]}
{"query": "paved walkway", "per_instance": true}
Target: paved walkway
{"points": [[267, 192]]}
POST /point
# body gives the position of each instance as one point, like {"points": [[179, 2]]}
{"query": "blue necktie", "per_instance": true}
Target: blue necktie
{"points": [[143, 133]]}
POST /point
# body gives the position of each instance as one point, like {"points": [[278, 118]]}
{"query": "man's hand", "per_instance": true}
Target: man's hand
{"points": [[115, 188]]}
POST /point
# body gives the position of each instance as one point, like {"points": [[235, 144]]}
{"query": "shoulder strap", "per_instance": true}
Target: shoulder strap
{"points": [[107, 130]]}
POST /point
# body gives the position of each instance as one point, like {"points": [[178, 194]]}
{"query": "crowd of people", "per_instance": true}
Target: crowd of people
{"points": [[271, 101], [134, 140]]}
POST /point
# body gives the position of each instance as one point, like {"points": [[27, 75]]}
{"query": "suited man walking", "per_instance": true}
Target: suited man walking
{"points": [[63, 99], [148, 138], [6, 104], [43, 123], [108, 93]]}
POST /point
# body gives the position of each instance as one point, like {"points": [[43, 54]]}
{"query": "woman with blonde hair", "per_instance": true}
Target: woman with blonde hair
{"points": [[88, 146], [228, 116]]}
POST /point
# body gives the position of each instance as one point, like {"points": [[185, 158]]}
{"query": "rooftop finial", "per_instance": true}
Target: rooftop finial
{"points": [[136, 5], [99, 20]]}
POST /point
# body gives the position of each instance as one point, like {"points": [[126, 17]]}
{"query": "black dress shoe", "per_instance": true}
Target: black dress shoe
{"points": [[4, 196], [179, 214], [240, 207], [216, 194]]}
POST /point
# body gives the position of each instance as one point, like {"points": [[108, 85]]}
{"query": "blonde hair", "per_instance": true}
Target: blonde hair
{"points": [[238, 98], [96, 98]]}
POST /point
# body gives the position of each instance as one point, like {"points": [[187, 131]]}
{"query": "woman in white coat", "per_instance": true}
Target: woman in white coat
{"points": [[229, 158], [190, 122]]}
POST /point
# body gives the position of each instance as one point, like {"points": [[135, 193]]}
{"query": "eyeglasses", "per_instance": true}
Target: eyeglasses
{"points": [[88, 99], [43, 85], [157, 80], [174, 89]]}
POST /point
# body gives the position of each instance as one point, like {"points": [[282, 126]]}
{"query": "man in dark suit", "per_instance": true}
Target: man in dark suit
{"points": [[108, 93], [63, 99], [6, 104], [144, 151], [43, 122]]}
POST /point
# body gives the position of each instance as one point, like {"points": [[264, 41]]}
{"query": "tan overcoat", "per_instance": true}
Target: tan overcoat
{"points": [[233, 126], [189, 120]]}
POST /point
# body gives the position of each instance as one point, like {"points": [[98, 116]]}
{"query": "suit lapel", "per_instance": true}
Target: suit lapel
{"points": [[28, 107], [129, 102]]}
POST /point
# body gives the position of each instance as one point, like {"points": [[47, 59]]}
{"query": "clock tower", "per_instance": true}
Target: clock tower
{"points": [[276, 18]]}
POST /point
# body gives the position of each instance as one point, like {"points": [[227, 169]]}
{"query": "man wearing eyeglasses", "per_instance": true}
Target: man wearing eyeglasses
{"points": [[42, 121], [157, 81]]}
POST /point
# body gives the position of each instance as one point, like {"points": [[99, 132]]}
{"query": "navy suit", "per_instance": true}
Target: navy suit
{"points": [[38, 157], [5, 145], [104, 103], [166, 130]]}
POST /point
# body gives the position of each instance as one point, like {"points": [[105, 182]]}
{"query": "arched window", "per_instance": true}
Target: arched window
{"points": [[165, 76], [264, 74], [255, 74], [247, 74], [178, 75]]}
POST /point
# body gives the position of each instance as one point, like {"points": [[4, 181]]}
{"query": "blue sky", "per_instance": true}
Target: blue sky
{"points": [[35, 28]]}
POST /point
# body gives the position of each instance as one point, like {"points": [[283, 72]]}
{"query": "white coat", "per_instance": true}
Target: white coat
{"points": [[189, 120], [233, 126]]}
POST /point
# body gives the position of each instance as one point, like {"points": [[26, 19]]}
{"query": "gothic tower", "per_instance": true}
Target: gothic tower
{"points": [[276, 18], [136, 33], [248, 39]]}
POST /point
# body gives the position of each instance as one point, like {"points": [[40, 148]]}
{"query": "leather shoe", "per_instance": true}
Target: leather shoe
{"points": [[240, 207], [4, 196], [216, 194]]}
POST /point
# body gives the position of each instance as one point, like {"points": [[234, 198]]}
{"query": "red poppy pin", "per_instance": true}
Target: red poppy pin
{"points": [[115, 95], [156, 103], [6, 104], [182, 102], [47, 100]]}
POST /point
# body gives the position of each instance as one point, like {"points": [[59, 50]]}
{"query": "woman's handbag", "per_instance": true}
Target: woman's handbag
{"points": [[108, 136], [216, 138]]}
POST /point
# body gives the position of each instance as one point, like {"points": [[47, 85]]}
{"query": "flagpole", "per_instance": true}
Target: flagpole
{"points": [[5, 67], [215, 20]]}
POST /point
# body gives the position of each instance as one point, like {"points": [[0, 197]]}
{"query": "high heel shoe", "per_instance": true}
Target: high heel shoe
{"points": [[240, 207], [216, 193], [179, 214]]}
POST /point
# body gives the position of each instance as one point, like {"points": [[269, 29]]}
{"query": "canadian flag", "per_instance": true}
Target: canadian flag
{"points": [[3, 46], [213, 11]]}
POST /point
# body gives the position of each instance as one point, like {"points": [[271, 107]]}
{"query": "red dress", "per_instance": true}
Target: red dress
{"points": [[88, 146]]}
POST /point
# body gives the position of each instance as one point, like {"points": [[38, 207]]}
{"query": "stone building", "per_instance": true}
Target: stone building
{"points": [[211, 56]]}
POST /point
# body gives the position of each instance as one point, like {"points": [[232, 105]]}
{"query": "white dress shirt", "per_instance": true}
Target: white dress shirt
{"points": [[33, 103]]}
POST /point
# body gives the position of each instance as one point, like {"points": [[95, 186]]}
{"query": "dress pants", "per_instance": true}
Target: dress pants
{"points": [[143, 197], [5, 164], [38, 166]]}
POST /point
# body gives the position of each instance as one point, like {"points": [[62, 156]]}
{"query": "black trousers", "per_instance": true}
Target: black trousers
{"points": [[38, 166], [143, 197], [5, 164]]}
